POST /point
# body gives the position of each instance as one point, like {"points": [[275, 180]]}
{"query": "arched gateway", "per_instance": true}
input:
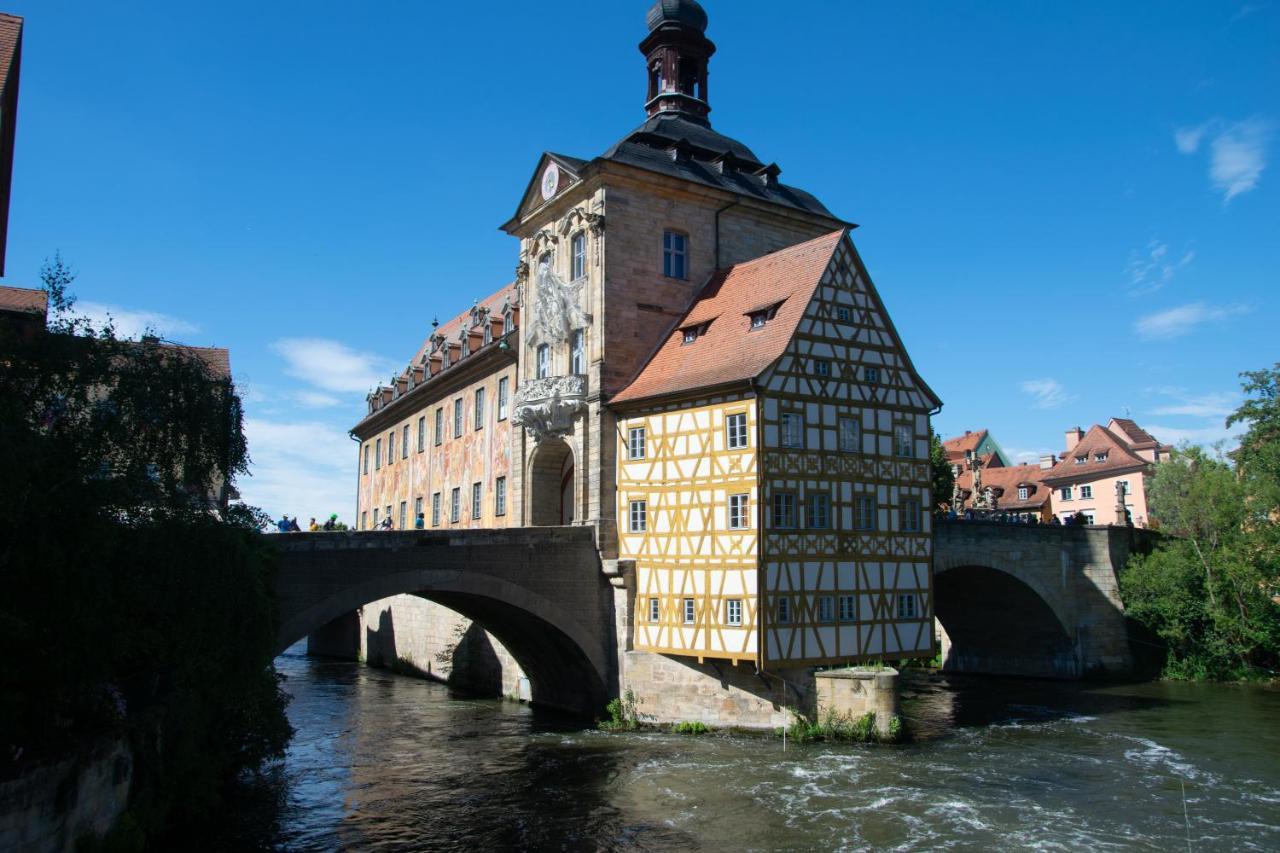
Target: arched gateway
{"points": [[539, 591]]}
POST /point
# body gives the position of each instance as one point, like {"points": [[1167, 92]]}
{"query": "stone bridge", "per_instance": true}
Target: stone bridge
{"points": [[1034, 599], [539, 590]]}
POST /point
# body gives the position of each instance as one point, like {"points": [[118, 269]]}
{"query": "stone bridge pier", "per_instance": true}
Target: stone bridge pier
{"points": [[538, 590], [1034, 600]]}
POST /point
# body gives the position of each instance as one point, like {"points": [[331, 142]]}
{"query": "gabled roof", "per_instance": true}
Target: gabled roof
{"points": [[958, 446], [23, 300], [1008, 480], [217, 359], [1097, 440], [729, 350], [531, 199], [1137, 437]]}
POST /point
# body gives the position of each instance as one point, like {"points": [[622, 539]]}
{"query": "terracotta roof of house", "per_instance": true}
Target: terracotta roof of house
{"points": [[23, 300], [1138, 438], [451, 328], [730, 350], [10, 35], [1098, 439], [1009, 479], [956, 447], [217, 359]]}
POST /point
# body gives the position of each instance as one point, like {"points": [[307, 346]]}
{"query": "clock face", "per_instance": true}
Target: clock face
{"points": [[550, 181]]}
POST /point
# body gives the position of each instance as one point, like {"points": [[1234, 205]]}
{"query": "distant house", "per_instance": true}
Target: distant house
{"points": [[1102, 473], [979, 443], [1019, 490], [23, 309]]}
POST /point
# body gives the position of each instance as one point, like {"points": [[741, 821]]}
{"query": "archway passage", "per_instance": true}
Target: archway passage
{"points": [[997, 625], [551, 478]]}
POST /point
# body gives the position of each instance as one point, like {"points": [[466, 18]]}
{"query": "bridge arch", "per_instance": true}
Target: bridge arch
{"points": [[538, 593]]}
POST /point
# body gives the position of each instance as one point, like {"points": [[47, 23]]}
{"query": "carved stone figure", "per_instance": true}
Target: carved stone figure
{"points": [[546, 406], [557, 309]]}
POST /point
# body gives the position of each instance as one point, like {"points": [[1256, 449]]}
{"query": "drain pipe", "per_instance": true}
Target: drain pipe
{"points": [[737, 200]]}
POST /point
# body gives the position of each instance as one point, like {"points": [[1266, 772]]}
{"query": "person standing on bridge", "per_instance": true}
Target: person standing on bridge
{"points": [[420, 522], [313, 527]]}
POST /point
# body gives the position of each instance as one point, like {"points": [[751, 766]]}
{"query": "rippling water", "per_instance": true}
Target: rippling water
{"points": [[382, 762]]}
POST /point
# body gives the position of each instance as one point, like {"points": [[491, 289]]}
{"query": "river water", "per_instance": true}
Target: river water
{"points": [[383, 762]]}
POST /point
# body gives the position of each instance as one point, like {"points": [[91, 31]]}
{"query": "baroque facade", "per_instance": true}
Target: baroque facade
{"points": [[697, 364]]}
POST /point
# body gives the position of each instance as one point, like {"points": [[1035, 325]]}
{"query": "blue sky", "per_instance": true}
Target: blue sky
{"points": [[1069, 209]]}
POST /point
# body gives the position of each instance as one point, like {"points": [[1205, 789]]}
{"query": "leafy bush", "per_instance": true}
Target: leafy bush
{"points": [[691, 727], [623, 716]]}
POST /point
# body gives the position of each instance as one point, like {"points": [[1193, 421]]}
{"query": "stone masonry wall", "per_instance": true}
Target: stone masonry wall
{"points": [[409, 633]]}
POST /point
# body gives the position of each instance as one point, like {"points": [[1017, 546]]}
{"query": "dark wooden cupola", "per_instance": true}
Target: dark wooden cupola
{"points": [[677, 53]]}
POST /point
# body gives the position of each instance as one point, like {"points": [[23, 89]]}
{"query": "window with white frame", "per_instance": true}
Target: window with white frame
{"points": [[792, 429], [488, 332], [578, 252], [818, 511], [508, 321], [784, 510], [735, 429], [850, 435], [739, 507], [907, 606], [503, 391], [847, 608], [911, 515], [1086, 492], [404, 443], [871, 375], [1065, 493], [821, 367], [784, 610], [543, 361], [1088, 517], [475, 500], [479, 413], [761, 316], [674, 249], [904, 440], [635, 443], [439, 426], [377, 454], [417, 510], [455, 504], [826, 608], [366, 459], [1080, 460], [864, 512], [733, 611], [638, 521], [1023, 493], [422, 433], [404, 511], [578, 352], [500, 496], [435, 509], [1100, 457], [655, 609], [689, 612], [457, 418]]}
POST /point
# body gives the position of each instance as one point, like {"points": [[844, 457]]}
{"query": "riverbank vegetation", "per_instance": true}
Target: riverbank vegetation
{"points": [[843, 727], [135, 604], [1211, 591]]}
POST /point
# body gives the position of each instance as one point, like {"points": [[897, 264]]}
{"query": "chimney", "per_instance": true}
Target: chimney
{"points": [[1047, 461], [1073, 438]]}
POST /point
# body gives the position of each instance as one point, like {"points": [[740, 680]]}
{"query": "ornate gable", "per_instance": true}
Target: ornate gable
{"points": [[554, 175]]}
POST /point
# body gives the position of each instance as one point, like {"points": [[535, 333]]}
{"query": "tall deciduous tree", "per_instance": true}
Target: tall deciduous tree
{"points": [[944, 479]]}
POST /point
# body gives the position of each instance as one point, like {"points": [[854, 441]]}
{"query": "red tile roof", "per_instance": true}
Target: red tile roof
{"points": [[1008, 480], [23, 300], [1138, 438], [217, 359], [955, 447], [1097, 440], [451, 328], [729, 350]]}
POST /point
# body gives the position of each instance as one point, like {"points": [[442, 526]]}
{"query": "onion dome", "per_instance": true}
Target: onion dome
{"points": [[686, 13]]}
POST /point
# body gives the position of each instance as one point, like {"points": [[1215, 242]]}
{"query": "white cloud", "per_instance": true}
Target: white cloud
{"points": [[131, 323], [333, 366], [1175, 322], [302, 468], [1151, 269], [1188, 138], [1216, 404], [1239, 156], [1046, 393], [315, 400], [1207, 435]]}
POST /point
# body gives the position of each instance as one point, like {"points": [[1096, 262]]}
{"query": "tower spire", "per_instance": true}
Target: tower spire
{"points": [[676, 54]]}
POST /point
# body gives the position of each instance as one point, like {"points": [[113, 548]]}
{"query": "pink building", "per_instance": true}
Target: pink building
{"points": [[1102, 473]]}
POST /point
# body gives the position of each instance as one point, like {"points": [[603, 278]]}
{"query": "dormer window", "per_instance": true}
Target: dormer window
{"points": [[488, 333], [508, 322], [444, 357], [466, 343], [761, 316], [1100, 457], [1023, 493], [1080, 460], [689, 334]]}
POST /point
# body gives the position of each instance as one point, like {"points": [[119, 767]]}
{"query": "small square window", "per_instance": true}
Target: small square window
{"points": [[1124, 487], [847, 612], [1065, 493], [871, 374], [818, 515], [635, 443], [689, 611], [784, 610], [638, 519], [1080, 460], [1023, 493], [733, 611], [844, 313], [1086, 492], [735, 427], [826, 608], [784, 510], [654, 609], [821, 367], [1100, 457], [739, 506], [907, 606]]}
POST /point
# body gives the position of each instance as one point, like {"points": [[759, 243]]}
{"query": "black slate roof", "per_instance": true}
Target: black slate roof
{"points": [[677, 146]]}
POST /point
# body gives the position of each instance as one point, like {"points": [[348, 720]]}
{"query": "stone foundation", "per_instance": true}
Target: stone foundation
{"points": [[57, 806], [858, 691]]}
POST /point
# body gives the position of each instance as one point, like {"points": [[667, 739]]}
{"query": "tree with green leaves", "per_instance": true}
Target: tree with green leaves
{"points": [[130, 606], [944, 478], [1211, 590]]}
